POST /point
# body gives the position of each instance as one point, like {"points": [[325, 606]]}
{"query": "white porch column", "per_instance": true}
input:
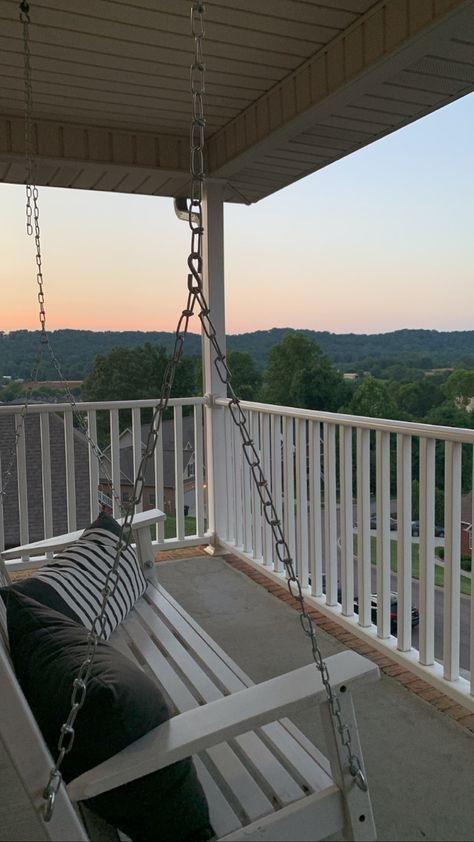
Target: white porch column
{"points": [[213, 279]]}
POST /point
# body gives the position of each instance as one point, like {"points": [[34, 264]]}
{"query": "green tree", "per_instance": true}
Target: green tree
{"points": [[299, 374], [402, 373], [449, 415], [459, 386], [372, 399], [11, 390], [418, 398], [136, 374], [246, 377]]}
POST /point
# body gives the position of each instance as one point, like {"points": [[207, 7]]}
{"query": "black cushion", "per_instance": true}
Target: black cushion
{"points": [[104, 521], [122, 704], [40, 591], [73, 582]]}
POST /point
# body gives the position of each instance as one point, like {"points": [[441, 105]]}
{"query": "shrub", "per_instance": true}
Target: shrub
{"points": [[466, 562]]}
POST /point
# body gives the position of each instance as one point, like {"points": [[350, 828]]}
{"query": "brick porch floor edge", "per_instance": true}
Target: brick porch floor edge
{"points": [[391, 668]]}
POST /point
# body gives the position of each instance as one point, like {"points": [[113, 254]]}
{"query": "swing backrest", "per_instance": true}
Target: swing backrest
{"points": [[25, 762]]}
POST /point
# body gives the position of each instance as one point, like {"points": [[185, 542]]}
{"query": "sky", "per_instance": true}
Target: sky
{"points": [[376, 242]]}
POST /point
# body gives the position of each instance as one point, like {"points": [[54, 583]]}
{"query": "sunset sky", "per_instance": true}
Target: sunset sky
{"points": [[379, 241]]}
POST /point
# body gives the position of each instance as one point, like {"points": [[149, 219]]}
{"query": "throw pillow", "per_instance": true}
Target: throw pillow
{"points": [[73, 582], [122, 704]]}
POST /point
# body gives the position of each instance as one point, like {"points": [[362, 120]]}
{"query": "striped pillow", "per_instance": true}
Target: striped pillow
{"points": [[78, 576]]}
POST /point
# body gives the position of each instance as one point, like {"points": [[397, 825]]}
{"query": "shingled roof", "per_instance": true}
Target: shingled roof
{"points": [[34, 478]]}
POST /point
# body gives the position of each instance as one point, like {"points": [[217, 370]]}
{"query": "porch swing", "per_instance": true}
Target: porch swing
{"points": [[263, 779]]}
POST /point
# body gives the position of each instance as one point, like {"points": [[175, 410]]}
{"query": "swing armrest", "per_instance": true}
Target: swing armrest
{"points": [[141, 520], [195, 730]]}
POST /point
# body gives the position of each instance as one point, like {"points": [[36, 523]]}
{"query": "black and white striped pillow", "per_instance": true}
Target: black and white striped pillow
{"points": [[78, 574]]}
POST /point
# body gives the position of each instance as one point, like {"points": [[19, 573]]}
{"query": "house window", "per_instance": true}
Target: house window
{"points": [[152, 499], [125, 496]]}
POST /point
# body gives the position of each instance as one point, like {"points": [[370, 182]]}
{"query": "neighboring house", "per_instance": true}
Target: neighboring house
{"points": [[169, 478], [464, 403], [466, 524], [9, 506], [468, 542]]}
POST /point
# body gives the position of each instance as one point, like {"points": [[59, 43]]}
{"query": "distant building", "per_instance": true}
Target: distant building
{"points": [[53, 384], [127, 472]]}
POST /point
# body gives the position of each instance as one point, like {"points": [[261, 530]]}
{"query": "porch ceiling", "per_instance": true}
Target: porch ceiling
{"points": [[292, 85]]}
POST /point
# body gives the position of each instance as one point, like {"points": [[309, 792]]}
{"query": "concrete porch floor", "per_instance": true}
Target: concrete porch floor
{"points": [[418, 745]]}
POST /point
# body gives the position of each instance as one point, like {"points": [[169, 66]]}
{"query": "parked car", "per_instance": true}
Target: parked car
{"points": [[415, 529], [415, 614], [373, 523]]}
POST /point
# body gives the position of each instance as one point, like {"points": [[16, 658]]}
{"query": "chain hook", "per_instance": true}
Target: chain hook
{"points": [[25, 12], [358, 775], [50, 793]]}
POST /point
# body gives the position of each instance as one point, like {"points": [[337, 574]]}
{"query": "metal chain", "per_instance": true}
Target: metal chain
{"points": [[31, 193], [195, 285], [33, 226], [67, 732], [31, 188], [281, 546], [195, 296], [28, 107]]}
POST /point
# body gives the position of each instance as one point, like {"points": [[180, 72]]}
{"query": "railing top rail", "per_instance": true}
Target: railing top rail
{"points": [[38, 408], [411, 428], [458, 434]]}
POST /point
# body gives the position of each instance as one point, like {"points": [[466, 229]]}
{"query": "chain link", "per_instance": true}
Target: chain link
{"points": [[196, 297]]}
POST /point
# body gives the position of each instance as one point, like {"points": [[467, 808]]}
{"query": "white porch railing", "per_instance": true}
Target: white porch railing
{"points": [[328, 475], [55, 477]]}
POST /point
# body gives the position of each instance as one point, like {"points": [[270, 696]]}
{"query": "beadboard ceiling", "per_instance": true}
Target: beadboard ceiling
{"points": [[291, 86]]}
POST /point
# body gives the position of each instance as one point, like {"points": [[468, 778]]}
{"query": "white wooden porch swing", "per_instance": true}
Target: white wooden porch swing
{"points": [[262, 777]]}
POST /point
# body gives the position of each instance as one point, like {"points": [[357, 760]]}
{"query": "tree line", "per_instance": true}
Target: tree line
{"points": [[297, 373], [379, 354]]}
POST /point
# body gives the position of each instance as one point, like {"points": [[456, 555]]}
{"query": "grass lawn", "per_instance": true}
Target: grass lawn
{"points": [[415, 560], [170, 526]]}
